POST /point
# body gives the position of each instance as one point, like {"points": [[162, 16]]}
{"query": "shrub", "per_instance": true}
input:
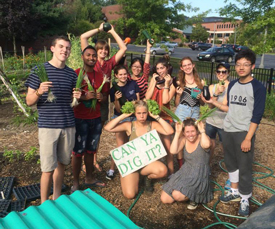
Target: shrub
{"points": [[270, 106]]}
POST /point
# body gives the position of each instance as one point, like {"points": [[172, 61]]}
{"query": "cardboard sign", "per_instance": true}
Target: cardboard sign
{"points": [[138, 153]]}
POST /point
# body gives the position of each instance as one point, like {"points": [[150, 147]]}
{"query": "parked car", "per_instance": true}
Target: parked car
{"points": [[161, 49], [168, 43], [216, 54], [240, 47], [230, 46], [200, 46]]}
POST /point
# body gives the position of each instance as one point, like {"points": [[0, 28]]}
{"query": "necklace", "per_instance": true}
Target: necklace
{"points": [[190, 83]]}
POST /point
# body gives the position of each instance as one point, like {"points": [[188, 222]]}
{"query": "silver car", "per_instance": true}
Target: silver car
{"points": [[161, 50]]}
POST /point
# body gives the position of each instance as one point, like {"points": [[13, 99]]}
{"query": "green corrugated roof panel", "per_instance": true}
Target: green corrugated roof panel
{"points": [[82, 209]]}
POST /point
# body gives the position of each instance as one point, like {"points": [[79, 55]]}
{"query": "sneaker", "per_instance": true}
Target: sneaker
{"points": [[229, 197], [192, 205], [244, 208], [227, 185], [110, 175], [148, 185]]}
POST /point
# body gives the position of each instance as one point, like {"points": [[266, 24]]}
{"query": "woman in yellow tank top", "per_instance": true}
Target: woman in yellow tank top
{"points": [[154, 170]]}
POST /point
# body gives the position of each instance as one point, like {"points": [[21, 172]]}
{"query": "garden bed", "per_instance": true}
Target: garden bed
{"points": [[148, 212]]}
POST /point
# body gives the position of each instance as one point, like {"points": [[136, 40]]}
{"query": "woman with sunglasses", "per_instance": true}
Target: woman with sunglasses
{"points": [[214, 123]]}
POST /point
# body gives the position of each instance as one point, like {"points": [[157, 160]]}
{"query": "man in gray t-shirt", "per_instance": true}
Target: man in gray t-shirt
{"points": [[245, 105]]}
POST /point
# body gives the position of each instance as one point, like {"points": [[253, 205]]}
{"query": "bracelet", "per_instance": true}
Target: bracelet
{"points": [[148, 53], [166, 88], [157, 119], [37, 93], [98, 30], [215, 95], [203, 132]]}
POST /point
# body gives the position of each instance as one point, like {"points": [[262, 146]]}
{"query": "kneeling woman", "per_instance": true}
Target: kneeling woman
{"points": [[192, 180], [154, 170]]}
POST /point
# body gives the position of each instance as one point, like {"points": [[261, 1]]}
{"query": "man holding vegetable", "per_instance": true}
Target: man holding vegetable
{"points": [[88, 119], [56, 124], [244, 104]]}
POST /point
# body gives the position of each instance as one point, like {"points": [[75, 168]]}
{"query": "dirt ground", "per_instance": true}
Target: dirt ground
{"points": [[148, 212]]}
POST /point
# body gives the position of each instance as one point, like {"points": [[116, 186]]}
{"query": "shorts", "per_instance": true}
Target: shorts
{"points": [[212, 131], [87, 136], [104, 111], [184, 111], [55, 145], [129, 119]]}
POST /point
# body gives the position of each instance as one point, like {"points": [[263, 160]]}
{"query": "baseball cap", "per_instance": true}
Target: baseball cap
{"points": [[222, 64]]}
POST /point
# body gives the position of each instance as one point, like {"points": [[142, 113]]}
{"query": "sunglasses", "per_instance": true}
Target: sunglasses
{"points": [[223, 72]]}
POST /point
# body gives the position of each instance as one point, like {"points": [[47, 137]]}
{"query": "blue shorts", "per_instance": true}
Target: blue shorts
{"points": [[129, 119], [184, 111], [212, 131], [87, 135]]}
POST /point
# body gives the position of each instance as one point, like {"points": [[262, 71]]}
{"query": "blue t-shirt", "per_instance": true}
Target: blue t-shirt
{"points": [[57, 114], [128, 91], [246, 103]]}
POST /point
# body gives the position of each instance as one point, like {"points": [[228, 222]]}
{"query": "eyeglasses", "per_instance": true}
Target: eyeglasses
{"points": [[223, 72], [246, 65], [187, 65], [136, 67]]}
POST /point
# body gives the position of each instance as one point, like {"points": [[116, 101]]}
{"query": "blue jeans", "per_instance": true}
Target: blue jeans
{"points": [[184, 111], [87, 135], [129, 119], [212, 131]]}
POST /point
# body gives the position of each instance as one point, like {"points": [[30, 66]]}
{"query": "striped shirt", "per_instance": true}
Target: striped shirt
{"points": [[187, 99], [57, 114], [142, 81]]}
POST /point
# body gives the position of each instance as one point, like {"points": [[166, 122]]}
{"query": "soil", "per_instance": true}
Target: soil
{"points": [[148, 212]]}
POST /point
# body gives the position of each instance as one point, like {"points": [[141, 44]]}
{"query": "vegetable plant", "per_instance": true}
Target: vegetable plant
{"points": [[128, 108], [153, 107]]}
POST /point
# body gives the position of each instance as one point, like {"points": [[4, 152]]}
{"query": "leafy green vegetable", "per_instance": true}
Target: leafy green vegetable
{"points": [[206, 114], [153, 107], [128, 108]]}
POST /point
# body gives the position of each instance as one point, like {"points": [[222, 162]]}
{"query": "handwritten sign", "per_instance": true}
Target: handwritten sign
{"points": [[138, 153]]}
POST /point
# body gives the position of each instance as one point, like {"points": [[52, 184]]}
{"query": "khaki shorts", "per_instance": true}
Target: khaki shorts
{"points": [[56, 145]]}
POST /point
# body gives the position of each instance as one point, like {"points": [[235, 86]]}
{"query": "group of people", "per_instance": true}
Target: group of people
{"points": [[65, 132]]}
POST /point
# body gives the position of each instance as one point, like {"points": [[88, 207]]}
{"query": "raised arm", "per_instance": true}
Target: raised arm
{"points": [[161, 126], [148, 52], [205, 140], [85, 36], [169, 90], [151, 87], [121, 44], [178, 141], [114, 126]]}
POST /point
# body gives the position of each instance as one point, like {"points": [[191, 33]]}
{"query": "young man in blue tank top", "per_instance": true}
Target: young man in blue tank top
{"points": [[56, 124], [244, 105]]}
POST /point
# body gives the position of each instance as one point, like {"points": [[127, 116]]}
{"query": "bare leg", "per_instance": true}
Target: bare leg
{"points": [[121, 138], [45, 185], [166, 199], [58, 177], [76, 164], [234, 185], [154, 170], [178, 196], [170, 163], [129, 185]]}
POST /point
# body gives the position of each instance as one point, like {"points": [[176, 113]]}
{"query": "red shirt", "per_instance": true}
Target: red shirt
{"points": [[106, 68], [83, 112]]}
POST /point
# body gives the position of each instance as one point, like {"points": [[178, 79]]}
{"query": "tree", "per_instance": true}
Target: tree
{"points": [[199, 33], [257, 29], [158, 17], [16, 20]]}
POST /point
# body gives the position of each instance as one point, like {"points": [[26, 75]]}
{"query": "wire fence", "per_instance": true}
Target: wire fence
{"points": [[207, 70]]}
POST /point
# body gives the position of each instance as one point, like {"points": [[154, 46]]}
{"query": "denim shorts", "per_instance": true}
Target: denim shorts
{"points": [[87, 135], [212, 131], [184, 111], [129, 119]]}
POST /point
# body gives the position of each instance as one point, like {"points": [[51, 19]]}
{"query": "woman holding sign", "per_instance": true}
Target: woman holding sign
{"points": [[135, 129], [192, 180]]}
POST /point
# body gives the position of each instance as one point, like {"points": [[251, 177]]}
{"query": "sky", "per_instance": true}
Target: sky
{"points": [[205, 5]]}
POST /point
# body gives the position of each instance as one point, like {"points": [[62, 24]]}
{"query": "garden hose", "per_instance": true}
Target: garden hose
{"points": [[216, 213]]}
